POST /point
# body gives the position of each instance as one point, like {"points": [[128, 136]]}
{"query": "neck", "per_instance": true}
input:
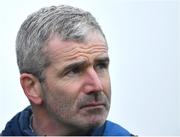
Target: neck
{"points": [[45, 125]]}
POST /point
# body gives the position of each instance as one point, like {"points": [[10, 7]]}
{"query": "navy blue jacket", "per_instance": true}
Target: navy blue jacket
{"points": [[19, 126]]}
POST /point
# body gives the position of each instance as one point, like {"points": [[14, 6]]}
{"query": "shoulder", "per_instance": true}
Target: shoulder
{"points": [[113, 129], [19, 124]]}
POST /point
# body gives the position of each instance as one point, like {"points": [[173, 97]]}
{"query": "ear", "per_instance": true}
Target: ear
{"points": [[31, 87]]}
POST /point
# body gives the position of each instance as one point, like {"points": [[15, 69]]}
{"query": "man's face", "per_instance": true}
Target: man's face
{"points": [[77, 88]]}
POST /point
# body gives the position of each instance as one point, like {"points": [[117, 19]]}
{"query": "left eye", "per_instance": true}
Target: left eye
{"points": [[101, 66]]}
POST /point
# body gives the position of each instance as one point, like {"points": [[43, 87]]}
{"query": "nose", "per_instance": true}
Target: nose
{"points": [[92, 82]]}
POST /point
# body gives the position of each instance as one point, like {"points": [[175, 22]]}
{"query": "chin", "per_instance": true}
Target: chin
{"points": [[96, 121], [92, 118]]}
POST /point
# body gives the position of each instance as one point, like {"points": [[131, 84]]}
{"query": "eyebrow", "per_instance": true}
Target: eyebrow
{"points": [[83, 63], [102, 59], [75, 64]]}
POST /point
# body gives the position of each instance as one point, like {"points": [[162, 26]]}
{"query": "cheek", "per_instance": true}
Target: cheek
{"points": [[71, 89], [60, 102], [107, 86], [63, 93], [106, 82], [64, 87]]}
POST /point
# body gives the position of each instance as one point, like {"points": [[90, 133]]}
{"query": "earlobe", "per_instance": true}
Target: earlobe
{"points": [[31, 87]]}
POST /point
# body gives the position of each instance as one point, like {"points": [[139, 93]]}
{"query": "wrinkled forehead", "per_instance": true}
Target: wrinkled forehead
{"points": [[60, 51], [94, 43]]}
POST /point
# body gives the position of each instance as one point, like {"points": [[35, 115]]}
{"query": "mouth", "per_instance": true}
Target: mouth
{"points": [[93, 105]]}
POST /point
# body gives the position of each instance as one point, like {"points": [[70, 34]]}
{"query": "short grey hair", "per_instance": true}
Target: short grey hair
{"points": [[67, 22]]}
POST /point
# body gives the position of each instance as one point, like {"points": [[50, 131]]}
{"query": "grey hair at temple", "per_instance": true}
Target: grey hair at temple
{"points": [[67, 22]]}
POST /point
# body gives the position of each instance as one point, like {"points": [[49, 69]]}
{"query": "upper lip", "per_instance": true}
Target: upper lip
{"points": [[93, 104]]}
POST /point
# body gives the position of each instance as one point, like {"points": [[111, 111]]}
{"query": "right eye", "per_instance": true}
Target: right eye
{"points": [[73, 71]]}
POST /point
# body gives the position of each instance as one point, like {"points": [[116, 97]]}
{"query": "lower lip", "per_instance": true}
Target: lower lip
{"points": [[93, 106]]}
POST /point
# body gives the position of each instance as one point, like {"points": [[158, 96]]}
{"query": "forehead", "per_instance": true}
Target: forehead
{"points": [[94, 47]]}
